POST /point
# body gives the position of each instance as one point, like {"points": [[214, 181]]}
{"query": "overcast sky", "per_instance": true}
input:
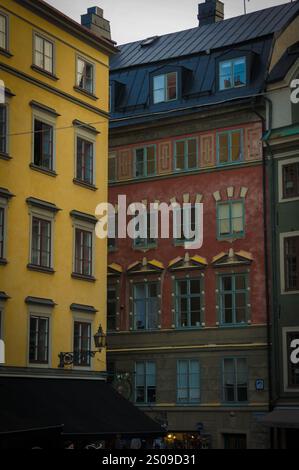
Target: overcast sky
{"points": [[132, 20]]}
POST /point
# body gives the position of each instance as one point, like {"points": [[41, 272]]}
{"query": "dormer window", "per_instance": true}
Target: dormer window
{"points": [[232, 73], [165, 87]]}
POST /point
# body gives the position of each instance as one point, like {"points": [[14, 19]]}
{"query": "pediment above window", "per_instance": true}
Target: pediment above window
{"points": [[187, 262], [232, 259], [145, 266], [114, 269]]}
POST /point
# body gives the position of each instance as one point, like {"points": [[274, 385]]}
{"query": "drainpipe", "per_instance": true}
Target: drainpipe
{"points": [[266, 246]]}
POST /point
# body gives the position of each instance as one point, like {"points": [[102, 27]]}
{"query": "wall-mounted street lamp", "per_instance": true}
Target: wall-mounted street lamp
{"points": [[69, 358]]}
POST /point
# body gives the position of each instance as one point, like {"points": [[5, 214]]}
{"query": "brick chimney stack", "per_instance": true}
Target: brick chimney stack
{"points": [[95, 21], [210, 12]]}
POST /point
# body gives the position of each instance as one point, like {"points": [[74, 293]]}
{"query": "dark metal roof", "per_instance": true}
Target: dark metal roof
{"points": [[213, 36]]}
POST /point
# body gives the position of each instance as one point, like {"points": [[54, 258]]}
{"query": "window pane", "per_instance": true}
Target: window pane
{"points": [[236, 146], [227, 283], [39, 44], [151, 163], [291, 180], [192, 153], [112, 168], [229, 380], [237, 217], [223, 148], [180, 155], [3, 129], [1, 232], [43, 144], [159, 88], [240, 282], [225, 75], [140, 163], [292, 263], [3, 32], [172, 86], [240, 72]]}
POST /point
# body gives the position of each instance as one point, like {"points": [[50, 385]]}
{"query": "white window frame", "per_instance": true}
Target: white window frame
{"points": [[44, 312], [89, 227], [281, 164], [50, 41], [89, 137], [49, 217], [286, 359], [51, 121], [89, 62], [283, 236]]}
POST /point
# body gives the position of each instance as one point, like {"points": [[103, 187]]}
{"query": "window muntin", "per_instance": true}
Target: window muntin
{"points": [[230, 147], [2, 231], [232, 74], [230, 218], [3, 128], [235, 380], [112, 302], [188, 303], [145, 162], [188, 381], [165, 87], [291, 262], [290, 176], [41, 242], [3, 32], [85, 75], [43, 53], [82, 344], [145, 382], [83, 252], [85, 161], [145, 306], [39, 340], [43, 145], [186, 155], [233, 299]]}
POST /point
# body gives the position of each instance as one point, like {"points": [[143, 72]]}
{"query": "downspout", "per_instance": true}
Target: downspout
{"points": [[266, 246]]}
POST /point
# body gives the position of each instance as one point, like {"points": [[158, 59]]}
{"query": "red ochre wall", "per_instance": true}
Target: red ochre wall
{"points": [[206, 184]]}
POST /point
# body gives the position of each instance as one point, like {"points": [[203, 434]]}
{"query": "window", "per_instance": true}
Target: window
{"points": [[3, 128], [145, 382], [184, 224], [188, 389], [85, 75], [145, 306], [112, 167], [43, 54], [232, 73], [85, 160], [148, 241], [83, 252], [235, 441], [165, 87], [112, 302], [235, 380], [43, 145], [112, 231], [39, 340], [82, 344], [186, 155], [230, 147], [3, 32], [290, 175], [233, 299], [291, 261], [41, 243], [188, 303], [293, 369], [2, 231], [230, 219], [145, 162]]}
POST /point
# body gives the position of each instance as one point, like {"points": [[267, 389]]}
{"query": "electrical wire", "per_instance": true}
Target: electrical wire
{"points": [[76, 126]]}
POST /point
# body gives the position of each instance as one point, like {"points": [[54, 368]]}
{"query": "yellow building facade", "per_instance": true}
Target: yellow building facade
{"points": [[53, 174]]}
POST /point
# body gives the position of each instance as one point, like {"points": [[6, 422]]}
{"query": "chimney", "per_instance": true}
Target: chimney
{"points": [[210, 12], [95, 21]]}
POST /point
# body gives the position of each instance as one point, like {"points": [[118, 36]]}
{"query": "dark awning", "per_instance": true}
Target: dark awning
{"points": [[287, 418], [84, 407]]}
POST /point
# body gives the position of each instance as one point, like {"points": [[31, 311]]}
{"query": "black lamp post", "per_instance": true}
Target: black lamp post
{"points": [[68, 358]]}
